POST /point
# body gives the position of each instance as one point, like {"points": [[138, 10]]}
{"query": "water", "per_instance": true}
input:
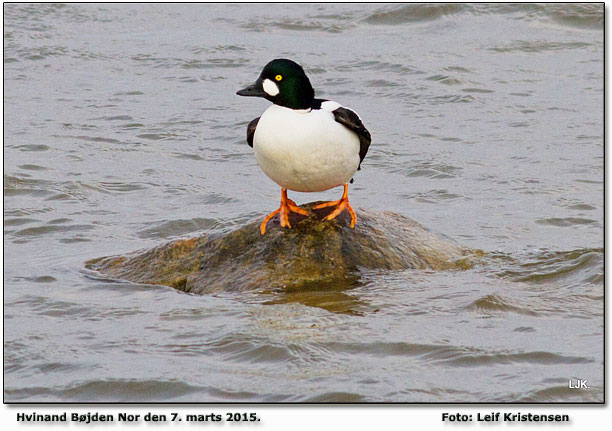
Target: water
{"points": [[122, 131]]}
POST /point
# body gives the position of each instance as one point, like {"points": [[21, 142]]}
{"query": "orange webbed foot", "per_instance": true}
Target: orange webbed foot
{"points": [[287, 206], [341, 205]]}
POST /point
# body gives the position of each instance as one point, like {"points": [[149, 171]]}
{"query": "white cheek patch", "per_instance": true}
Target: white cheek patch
{"points": [[270, 87]]}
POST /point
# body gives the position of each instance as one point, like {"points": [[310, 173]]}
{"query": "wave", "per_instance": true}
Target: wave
{"points": [[577, 15], [576, 267]]}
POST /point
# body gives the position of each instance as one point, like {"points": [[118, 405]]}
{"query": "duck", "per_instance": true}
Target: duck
{"points": [[302, 143]]}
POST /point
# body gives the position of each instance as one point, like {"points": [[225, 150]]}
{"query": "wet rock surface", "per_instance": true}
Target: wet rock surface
{"points": [[313, 253]]}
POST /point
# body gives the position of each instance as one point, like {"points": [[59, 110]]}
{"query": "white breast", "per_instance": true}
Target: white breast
{"points": [[305, 150]]}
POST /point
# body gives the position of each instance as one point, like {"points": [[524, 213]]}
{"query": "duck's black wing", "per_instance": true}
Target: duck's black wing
{"points": [[351, 120], [251, 131]]}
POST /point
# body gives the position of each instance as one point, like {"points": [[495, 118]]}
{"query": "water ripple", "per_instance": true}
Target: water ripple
{"points": [[108, 390]]}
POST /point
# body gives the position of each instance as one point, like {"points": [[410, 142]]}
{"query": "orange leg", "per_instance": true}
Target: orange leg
{"points": [[340, 205], [286, 206]]}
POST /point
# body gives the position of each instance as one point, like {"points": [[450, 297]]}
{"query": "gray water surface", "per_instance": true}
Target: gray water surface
{"points": [[122, 131]]}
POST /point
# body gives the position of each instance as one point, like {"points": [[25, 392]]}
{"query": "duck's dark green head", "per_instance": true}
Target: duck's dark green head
{"points": [[283, 82]]}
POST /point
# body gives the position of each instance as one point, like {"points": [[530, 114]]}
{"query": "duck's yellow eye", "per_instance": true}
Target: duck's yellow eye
{"points": [[278, 77]]}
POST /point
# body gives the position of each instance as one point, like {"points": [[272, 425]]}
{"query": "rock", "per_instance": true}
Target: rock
{"points": [[314, 253]]}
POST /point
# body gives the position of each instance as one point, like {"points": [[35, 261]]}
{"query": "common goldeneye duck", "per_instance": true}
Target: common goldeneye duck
{"points": [[302, 143]]}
